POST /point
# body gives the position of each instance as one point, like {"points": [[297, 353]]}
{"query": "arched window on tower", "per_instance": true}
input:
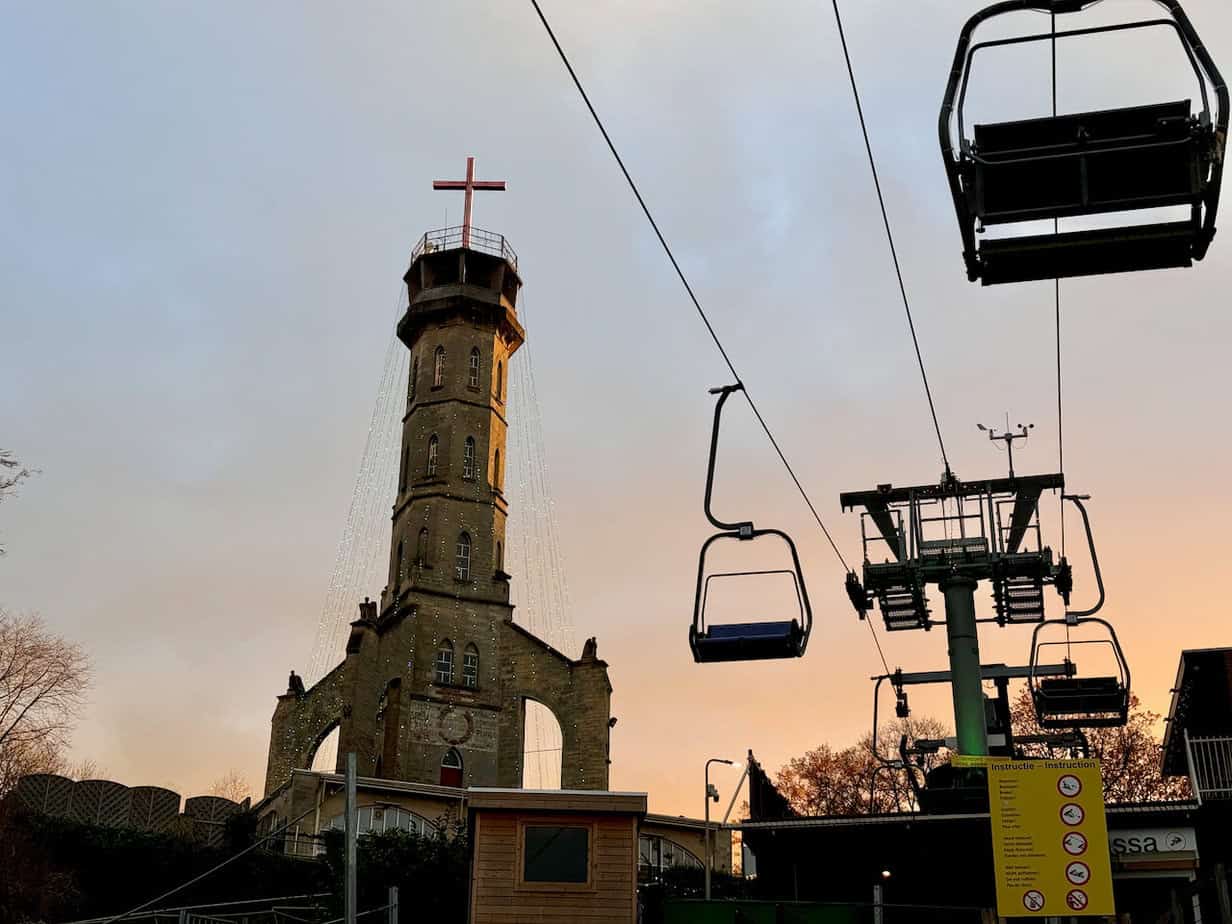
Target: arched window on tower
{"points": [[399, 569], [496, 471], [410, 385], [444, 662], [402, 471], [421, 548], [451, 768], [438, 367], [500, 557], [468, 458], [500, 381], [462, 560], [470, 666], [472, 370], [434, 446]]}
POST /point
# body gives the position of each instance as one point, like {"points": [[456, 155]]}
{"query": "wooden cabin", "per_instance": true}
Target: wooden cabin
{"points": [[554, 855]]}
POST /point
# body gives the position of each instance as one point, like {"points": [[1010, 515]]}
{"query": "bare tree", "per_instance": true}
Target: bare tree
{"points": [[43, 680], [1131, 757], [12, 473], [852, 781], [231, 785]]}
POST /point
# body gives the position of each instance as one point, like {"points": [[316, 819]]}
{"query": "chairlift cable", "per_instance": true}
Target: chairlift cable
{"points": [[877, 642], [1056, 225], [885, 218], [689, 289], [1056, 291]]}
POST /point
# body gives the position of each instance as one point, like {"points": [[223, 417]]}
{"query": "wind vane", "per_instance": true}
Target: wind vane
{"points": [[470, 184]]}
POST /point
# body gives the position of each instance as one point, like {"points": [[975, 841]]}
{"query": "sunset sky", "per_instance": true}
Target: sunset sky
{"points": [[206, 212]]}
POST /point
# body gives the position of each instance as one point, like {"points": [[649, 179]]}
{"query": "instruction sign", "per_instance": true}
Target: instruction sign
{"points": [[1050, 840]]}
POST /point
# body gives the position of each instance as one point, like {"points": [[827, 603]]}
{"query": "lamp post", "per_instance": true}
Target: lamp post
{"points": [[879, 897], [712, 794]]}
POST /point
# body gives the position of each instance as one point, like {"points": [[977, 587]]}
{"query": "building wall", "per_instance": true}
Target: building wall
{"points": [[690, 835], [498, 896]]}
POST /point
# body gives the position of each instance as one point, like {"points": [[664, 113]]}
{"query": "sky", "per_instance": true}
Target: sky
{"points": [[205, 212]]}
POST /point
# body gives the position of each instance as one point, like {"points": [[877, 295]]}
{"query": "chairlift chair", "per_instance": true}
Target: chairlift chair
{"points": [[1116, 160], [1081, 702], [745, 641]]}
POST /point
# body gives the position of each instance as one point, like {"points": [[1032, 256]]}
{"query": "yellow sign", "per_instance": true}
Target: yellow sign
{"points": [[1050, 839]]}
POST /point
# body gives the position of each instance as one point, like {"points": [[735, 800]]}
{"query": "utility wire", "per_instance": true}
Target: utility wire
{"points": [[689, 289], [885, 218]]}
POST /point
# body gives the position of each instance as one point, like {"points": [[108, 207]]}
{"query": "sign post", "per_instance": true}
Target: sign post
{"points": [[1050, 838]]}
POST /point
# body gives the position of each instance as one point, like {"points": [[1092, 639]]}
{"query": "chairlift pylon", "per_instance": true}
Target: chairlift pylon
{"points": [[746, 641], [1116, 160], [1073, 701]]}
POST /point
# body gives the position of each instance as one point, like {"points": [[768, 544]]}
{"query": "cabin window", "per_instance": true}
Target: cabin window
{"points": [[555, 854]]}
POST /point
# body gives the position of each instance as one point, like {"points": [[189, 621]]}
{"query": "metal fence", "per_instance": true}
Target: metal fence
{"points": [[1210, 766], [451, 238]]}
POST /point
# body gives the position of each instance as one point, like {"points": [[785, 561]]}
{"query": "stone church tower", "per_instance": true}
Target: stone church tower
{"points": [[436, 676]]}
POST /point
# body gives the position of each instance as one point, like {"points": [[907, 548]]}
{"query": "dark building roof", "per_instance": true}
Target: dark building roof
{"points": [[1201, 703]]}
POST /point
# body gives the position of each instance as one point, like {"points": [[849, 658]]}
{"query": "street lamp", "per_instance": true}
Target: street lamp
{"points": [[879, 896], [712, 793]]}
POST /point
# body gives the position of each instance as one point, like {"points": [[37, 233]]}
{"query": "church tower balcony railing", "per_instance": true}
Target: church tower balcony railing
{"points": [[472, 238]]}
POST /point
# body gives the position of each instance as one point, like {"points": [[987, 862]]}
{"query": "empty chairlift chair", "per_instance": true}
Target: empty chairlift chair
{"points": [[754, 640], [1118, 160], [1080, 702], [1074, 701]]}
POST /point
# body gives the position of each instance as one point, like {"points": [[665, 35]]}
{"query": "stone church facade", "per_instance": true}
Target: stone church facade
{"points": [[434, 684]]}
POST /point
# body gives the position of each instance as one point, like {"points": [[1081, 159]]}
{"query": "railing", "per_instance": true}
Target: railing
{"points": [[1210, 766], [488, 242]]}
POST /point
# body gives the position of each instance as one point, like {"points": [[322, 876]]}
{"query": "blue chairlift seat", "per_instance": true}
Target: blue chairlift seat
{"points": [[747, 641]]}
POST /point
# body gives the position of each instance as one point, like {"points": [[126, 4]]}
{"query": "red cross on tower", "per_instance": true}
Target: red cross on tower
{"points": [[470, 184]]}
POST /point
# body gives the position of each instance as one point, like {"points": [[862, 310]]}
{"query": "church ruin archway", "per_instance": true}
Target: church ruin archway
{"points": [[578, 694], [323, 755], [541, 746]]}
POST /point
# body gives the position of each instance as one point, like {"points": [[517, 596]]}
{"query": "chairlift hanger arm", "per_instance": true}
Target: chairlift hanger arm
{"points": [[724, 392], [1074, 615]]}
